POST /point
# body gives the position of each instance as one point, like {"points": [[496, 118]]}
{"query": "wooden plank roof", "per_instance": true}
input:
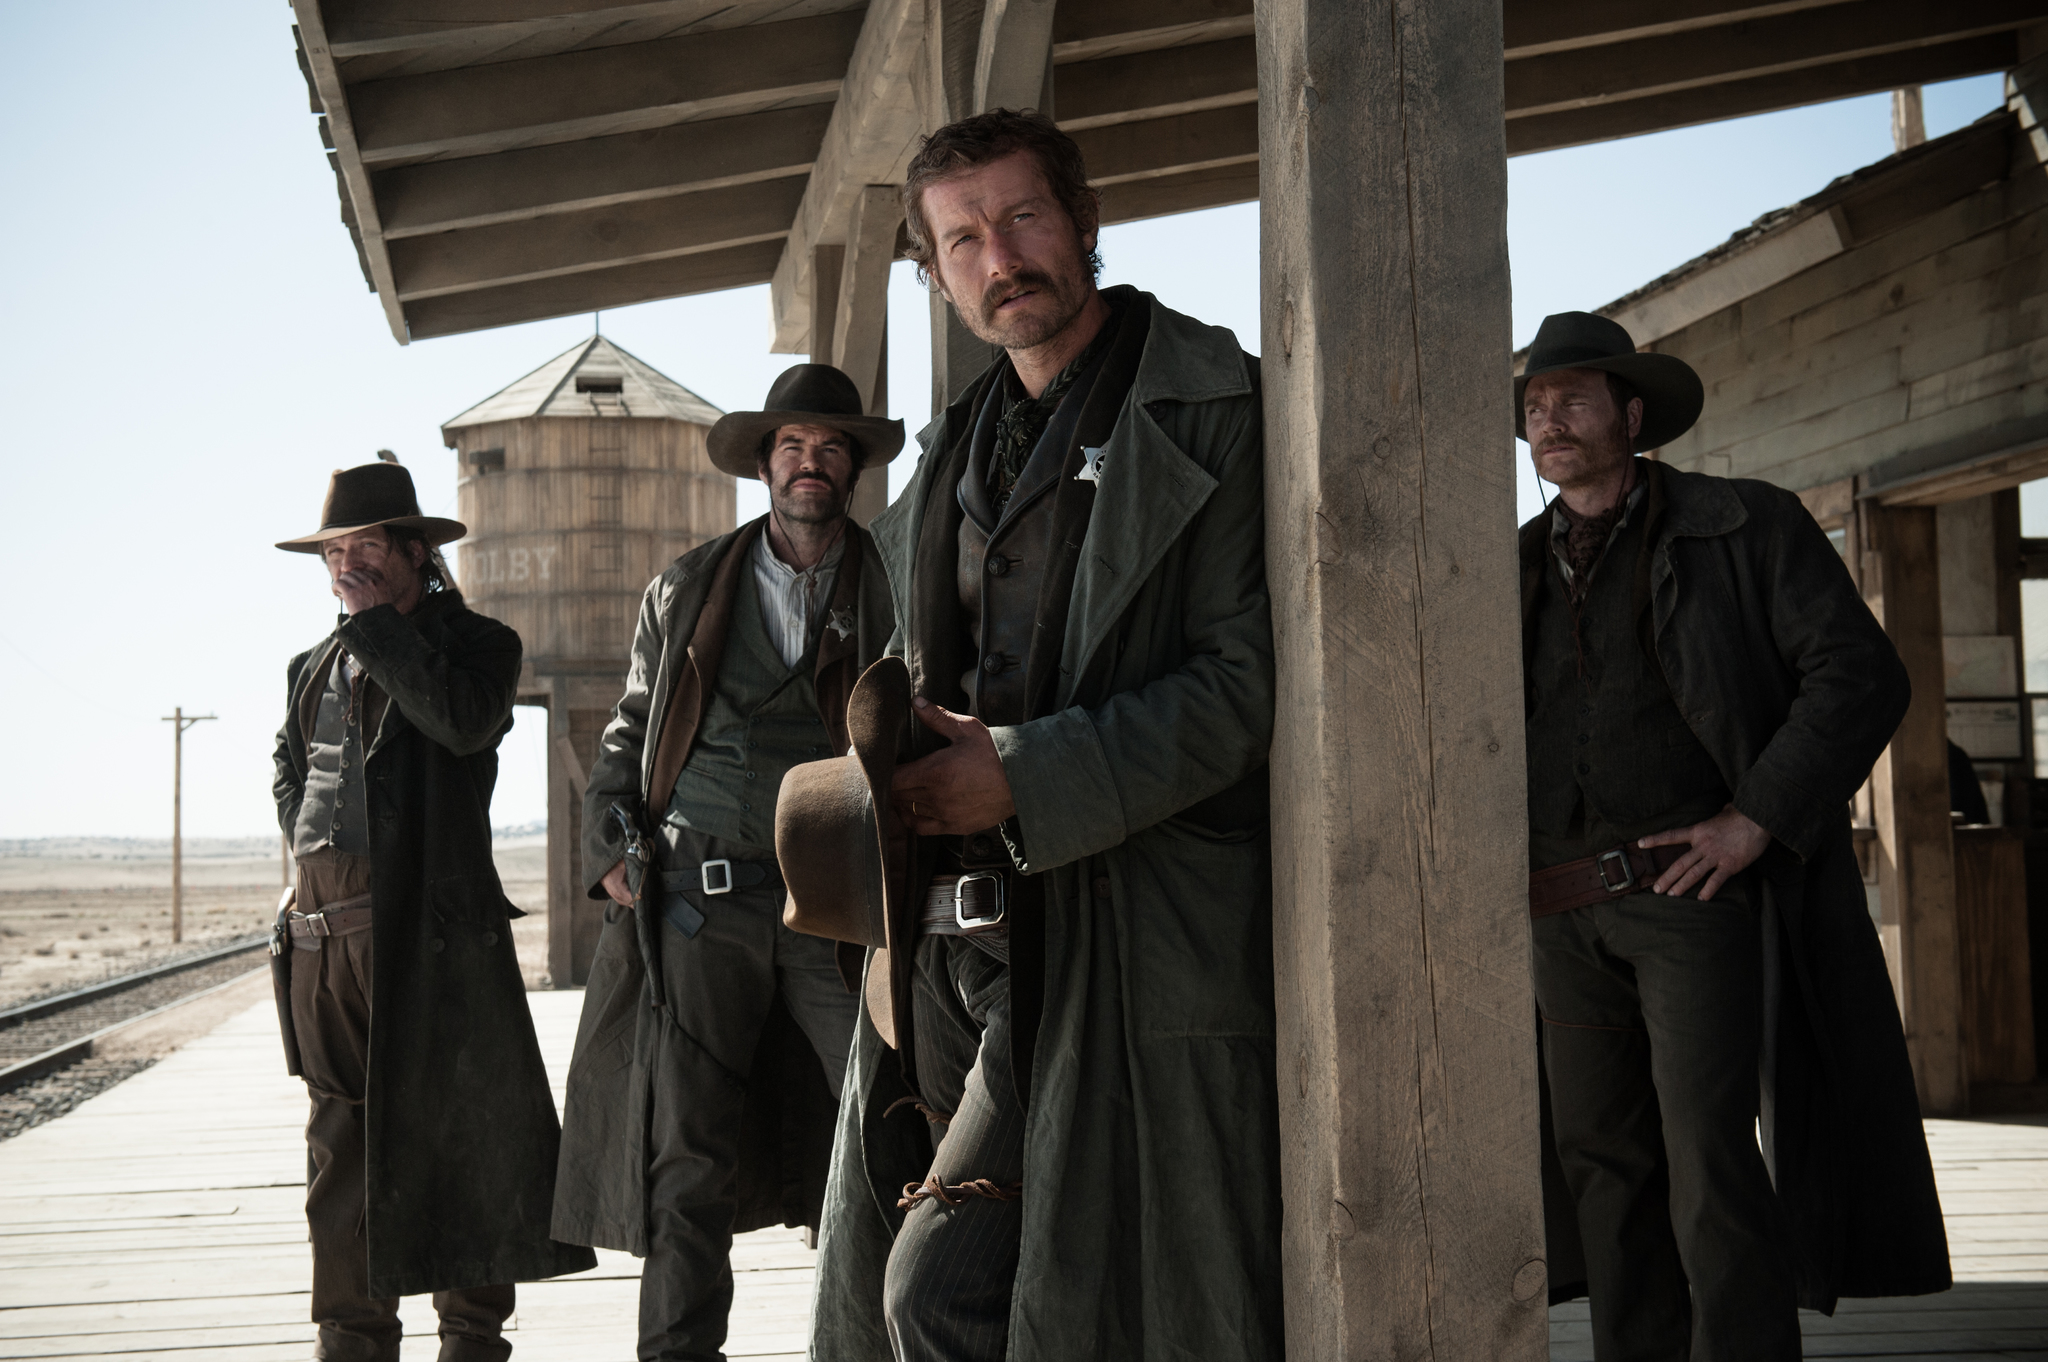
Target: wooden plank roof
{"points": [[591, 378], [505, 160]]}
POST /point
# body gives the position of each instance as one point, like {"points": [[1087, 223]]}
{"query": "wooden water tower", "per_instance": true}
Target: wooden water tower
{"points": [[579, 483]]}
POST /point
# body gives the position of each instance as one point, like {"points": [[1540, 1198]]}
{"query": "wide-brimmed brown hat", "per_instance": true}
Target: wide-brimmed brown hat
{"points": [[805, 395], [373, 494], [1672, 393], [844, 853]]}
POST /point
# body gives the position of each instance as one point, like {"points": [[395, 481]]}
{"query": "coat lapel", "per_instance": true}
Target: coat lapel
{"points": [[697, 671]]}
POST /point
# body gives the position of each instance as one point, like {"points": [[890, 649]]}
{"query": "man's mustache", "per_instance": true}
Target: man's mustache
{"points": [[1022, 282], [802, 474]]}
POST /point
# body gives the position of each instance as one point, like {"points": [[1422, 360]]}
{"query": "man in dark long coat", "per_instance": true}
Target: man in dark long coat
{"points": [[1059, 1139], [430, 1151], [711, 1112], [1705, 691]]}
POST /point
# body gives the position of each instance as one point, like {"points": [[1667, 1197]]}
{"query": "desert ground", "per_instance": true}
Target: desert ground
{"points": [[75, 910]]}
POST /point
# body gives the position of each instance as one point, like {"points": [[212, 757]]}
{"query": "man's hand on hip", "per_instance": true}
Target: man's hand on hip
{"points": [[615, 884], [959, 789], [1723, 846]]}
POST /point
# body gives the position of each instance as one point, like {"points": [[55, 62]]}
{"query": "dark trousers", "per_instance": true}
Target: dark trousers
{"points": [[331, 1014], [720, 985], [946, 1295], [1652, 1031]]}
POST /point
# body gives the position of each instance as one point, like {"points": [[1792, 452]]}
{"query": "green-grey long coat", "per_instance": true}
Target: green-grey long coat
{"points": [[461, 1127], [1151, 1156]]}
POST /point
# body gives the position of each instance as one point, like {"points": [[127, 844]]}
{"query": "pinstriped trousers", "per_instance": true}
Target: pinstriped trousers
{"points": [[946, 1296]]}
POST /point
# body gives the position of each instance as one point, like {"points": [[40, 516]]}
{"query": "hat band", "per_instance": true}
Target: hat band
{"points": [[1553, 358]]}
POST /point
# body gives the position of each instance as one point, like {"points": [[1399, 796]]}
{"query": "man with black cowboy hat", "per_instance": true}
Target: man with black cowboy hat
{"points": [[1705, 691], [710, 1111], [430, 1154], [1059, 1139]]}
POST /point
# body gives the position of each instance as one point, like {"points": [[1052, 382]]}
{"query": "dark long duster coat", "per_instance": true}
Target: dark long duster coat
{"points": [[1151, 1146], [1789, 682], [787, 1119], [461, 1126]]}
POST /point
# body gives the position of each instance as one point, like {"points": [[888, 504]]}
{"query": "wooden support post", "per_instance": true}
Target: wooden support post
{"points": [[1901, 581], [1012, 33], [575, 921], [861, 329], [827, 263], [1408, 1103]]}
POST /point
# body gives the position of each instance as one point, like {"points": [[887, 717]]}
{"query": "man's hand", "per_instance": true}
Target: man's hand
{"points": [[615, 884], [958, 790], [1725, 845], [361, 588]]}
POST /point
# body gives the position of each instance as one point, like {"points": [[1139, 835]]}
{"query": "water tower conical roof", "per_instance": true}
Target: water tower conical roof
{"points": [[552, 390]]}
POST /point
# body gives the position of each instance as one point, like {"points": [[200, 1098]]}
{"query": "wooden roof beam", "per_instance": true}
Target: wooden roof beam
{"points": [[597, 238], [1537, 27], [873, 131], [1111, 28], [437, 34], [512, 186], [1646, 67], [1120, 153], [1762, 94], [509, 105], [1093, 94], [348, 162], [569, 294]]}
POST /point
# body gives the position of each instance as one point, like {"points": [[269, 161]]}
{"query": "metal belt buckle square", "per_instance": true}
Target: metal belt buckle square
{"points": [[960, 915], [1628, 872], [724, 869]]}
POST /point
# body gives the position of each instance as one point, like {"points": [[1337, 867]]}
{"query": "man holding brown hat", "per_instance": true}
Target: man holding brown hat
{"points": [[431, 1154], [1059, 1138], [1705, 692], [713, 1040]]}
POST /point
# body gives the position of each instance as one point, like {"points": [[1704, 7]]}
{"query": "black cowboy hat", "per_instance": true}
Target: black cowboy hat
{"points": [[373, 494], [805, 395], [1672, 393]]}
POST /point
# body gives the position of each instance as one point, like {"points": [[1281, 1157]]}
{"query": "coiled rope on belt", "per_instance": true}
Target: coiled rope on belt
{"points": [[932, 1189]]}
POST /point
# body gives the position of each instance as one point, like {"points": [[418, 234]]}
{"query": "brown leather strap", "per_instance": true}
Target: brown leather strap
{"points": [[697, 671], [337, 919], [1610, 875], [982, 898]]}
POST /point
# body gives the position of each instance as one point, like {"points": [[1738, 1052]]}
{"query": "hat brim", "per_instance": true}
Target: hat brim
{"points": [[735, 440], [437, 530], [1672, 393]]}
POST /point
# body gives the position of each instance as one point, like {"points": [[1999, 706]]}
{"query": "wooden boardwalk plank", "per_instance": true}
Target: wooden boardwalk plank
{"points": [[164, 1220]]}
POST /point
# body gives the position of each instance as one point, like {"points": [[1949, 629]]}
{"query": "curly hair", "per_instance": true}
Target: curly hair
{"points": [[987, 137]]}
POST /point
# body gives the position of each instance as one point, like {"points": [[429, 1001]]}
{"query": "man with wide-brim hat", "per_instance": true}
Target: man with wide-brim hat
{"points": [[432, 1154], [709, 1059], [1705, 692]]}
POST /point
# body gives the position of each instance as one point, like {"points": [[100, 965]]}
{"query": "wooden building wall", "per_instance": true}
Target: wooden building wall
{"points": [[1927, 338]]}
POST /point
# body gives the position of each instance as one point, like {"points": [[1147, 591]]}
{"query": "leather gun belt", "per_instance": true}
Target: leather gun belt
{"points": [[1612, 874]]}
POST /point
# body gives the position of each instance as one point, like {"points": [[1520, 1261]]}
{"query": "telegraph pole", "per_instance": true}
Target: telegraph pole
{"points": [[177, 717]]}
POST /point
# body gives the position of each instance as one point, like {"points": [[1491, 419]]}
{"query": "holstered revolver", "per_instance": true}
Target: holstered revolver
{"points": [[638, 860]]}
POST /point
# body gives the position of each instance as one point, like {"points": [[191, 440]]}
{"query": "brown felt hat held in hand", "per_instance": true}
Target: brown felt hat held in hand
{"points": [[373, 494], [844, 854]]}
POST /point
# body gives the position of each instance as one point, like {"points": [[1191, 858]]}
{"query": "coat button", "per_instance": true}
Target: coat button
{"points": [[997, 565], [1584, 769], [746, 808], [994, 663], [750, 775], [1101, 886], [437, 943], [490, 938]]}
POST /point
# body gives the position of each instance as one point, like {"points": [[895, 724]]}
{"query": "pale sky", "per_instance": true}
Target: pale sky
{"points": [[188, 349]]}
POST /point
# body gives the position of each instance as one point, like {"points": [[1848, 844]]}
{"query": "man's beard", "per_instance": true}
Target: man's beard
{"points": [[1021, 333]]}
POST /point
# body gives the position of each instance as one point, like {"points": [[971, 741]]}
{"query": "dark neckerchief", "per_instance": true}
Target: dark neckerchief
{"points": [[1024, 417], [1579, 541]]}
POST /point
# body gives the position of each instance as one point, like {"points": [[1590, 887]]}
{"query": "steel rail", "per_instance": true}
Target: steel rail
{"points": [[106, 988]]}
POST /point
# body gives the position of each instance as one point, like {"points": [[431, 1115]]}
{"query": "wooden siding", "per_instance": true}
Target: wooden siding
{"points": [[1930, 337]]}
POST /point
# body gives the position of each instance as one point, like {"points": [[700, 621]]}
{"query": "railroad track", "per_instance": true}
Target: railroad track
{"points": [[49, 1034]]}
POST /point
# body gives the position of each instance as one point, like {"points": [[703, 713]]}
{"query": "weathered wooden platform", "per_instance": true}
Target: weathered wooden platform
{"points": [[163, 1220]]}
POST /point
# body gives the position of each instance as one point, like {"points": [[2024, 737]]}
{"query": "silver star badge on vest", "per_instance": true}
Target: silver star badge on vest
{"points": [[841, 622], [1091, 464]]}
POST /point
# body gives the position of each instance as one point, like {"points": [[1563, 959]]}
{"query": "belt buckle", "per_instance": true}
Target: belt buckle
{"points": [[960, 918], [724, 867], [1628, 872]]}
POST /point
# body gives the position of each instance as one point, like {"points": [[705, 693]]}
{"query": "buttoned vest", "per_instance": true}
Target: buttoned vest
{"points": [[1610, 756], [762, 719]]}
